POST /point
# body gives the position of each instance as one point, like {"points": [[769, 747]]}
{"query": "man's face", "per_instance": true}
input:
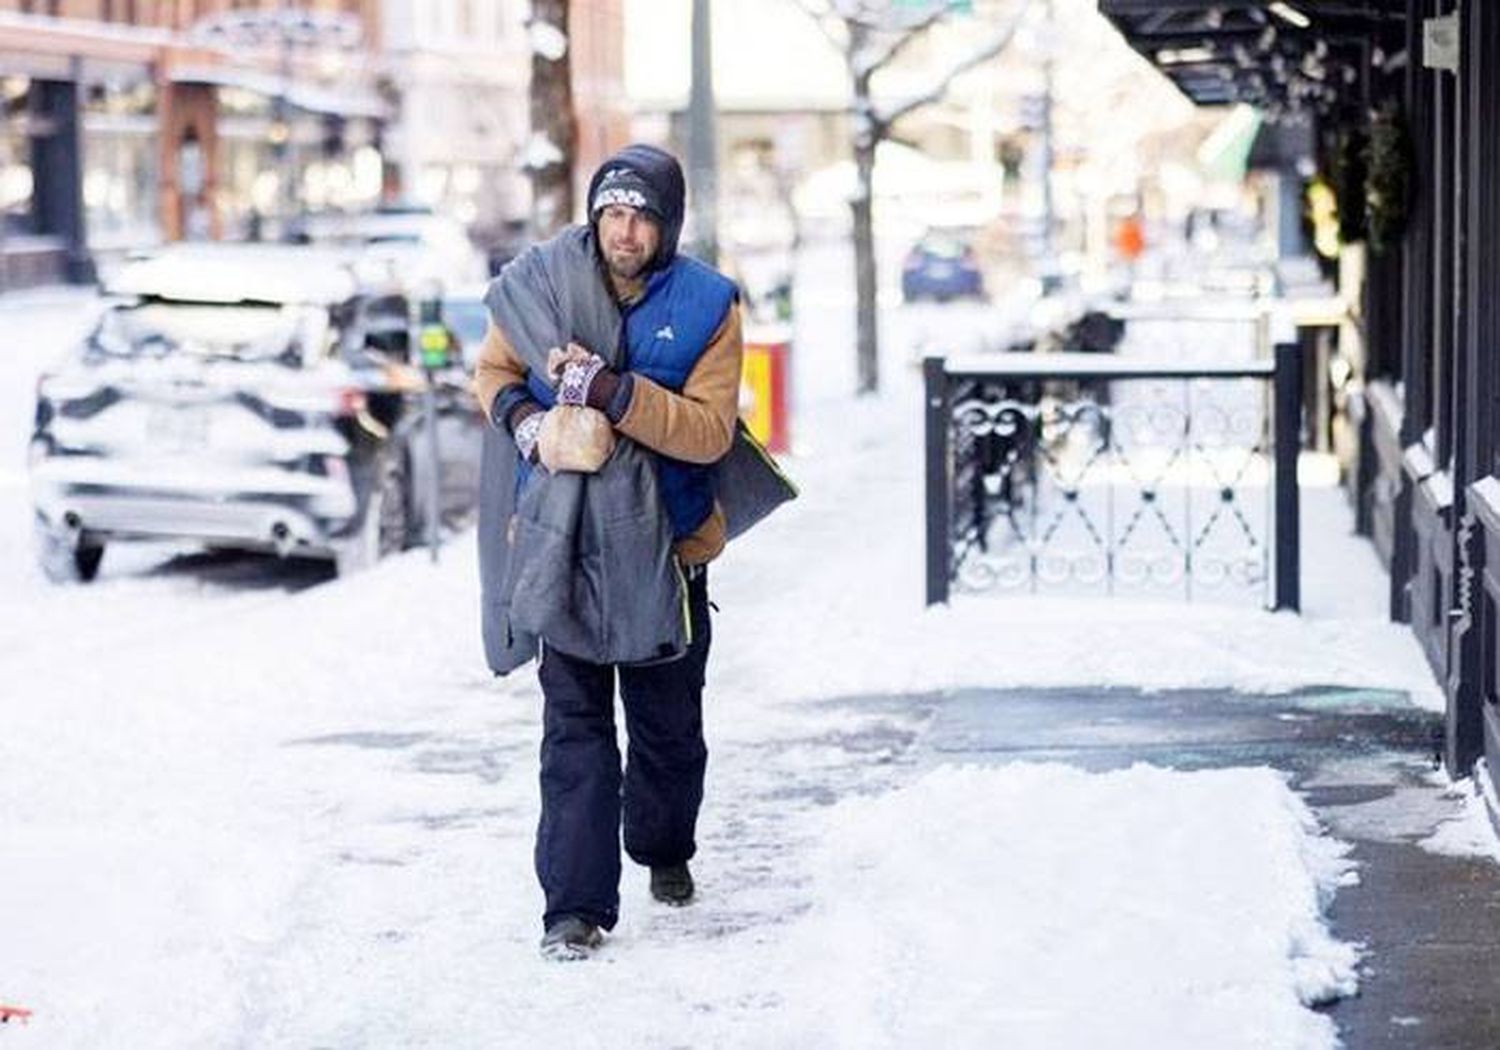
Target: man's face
{"points": [[629, 238]]}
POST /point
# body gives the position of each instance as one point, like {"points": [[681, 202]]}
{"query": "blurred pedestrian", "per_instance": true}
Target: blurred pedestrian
{"points": [[1130, 238], [611, 374]]}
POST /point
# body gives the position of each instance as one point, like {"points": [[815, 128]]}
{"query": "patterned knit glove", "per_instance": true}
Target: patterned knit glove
{"points": [[577, 379], [526, 433]]}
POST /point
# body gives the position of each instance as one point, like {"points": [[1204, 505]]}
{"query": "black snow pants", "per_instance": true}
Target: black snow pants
{"points": [[584, 795]]}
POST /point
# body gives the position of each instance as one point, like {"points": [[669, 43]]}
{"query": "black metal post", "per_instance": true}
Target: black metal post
{"points": [[57, 157], [939, 479], [1288, 438], [1471, 618], [433, 339], [1415, 370]]}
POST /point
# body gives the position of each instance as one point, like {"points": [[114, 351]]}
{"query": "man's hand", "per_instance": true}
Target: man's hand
{"points": [[582, 378], [559, 357], [578, 381]]}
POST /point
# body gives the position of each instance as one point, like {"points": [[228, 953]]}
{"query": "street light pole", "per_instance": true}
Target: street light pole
{"points": [[703, 166], [1049, 257], [285, 159]]}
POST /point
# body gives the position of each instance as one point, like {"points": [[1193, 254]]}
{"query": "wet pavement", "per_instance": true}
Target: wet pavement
{"points": [[1363, 760]]}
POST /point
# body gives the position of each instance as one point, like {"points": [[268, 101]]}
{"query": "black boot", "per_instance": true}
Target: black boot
{"points": [[672, 884], [570, 938]]}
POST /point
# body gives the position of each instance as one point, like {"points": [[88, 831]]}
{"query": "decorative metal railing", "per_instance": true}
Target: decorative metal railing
{"points": [[1083, 473]]}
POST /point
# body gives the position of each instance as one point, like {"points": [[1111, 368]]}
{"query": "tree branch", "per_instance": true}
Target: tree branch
{"points": [[908, 34], [876, 17], [819, 18], [988, 51]]}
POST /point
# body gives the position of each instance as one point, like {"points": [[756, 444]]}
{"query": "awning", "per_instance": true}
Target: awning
{"points": [[315, 98], [83, 69], [1289, 55]]}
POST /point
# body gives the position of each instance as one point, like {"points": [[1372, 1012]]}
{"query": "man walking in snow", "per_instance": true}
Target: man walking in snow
{"points": [[611, 373]]}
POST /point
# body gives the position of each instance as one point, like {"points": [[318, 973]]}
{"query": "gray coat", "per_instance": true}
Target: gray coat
{"points": [[581, 561]]}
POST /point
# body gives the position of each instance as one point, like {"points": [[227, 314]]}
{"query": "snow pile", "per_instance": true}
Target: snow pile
{"points": [[1471, 833], [541, 152], [547, 40], [1040, 906]]}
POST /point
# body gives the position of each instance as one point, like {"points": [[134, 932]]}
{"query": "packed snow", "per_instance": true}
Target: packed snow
{"points": [[541, 152], [238, 815], [977, 930], [547, 40], [1469, 833]]}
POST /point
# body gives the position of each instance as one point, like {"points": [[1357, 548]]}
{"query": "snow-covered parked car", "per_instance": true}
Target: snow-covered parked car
{"points": [[413, 243], [246, 396]]}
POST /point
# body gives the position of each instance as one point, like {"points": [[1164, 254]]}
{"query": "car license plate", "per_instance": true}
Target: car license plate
{"points": [[177, 429], [941, 271]]}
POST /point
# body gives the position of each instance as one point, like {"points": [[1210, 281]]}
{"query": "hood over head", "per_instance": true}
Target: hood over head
{"points": [[645, 177]]}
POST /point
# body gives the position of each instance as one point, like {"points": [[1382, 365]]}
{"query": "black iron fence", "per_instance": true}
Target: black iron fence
{"points": [[1094, 474]]}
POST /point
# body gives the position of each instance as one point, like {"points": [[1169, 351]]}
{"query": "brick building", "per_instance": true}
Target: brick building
{"points": [[129, 122]]}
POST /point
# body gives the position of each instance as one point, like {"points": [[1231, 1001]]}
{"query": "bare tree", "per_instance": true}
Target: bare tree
{"points": [[552, 150], [870, 34]]}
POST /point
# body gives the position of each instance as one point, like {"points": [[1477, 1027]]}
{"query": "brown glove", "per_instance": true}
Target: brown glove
{"points": [[575, 438]]}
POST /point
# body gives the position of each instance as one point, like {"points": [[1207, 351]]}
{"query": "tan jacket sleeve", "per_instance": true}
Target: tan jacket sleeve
{"points": [[697, 425], [499, 367]]}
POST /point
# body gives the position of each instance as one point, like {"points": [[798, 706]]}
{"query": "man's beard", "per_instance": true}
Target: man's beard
{"points": [[626, 267]]}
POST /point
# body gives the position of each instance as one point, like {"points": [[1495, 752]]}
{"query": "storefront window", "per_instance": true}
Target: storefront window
{"points": [[16, 182], [330, 163], [120, 169]]}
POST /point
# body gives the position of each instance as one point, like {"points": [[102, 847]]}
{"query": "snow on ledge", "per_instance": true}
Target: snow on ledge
{"points": [[1470, 833]]}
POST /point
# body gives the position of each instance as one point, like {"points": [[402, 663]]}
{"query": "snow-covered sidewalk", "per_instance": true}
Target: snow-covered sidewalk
{"points": [[306, 820]]}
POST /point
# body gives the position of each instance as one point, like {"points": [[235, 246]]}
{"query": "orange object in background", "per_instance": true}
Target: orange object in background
{"points": [[765, 386], [1130, 239]]}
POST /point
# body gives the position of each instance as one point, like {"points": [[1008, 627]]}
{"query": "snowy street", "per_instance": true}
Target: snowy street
{"points": [[243, 804]]}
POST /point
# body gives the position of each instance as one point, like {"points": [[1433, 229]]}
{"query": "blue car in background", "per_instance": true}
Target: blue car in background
{"points": [[942, 266]]}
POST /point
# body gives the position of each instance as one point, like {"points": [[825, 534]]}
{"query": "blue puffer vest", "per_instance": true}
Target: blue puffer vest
{"points": [[664, 335]]}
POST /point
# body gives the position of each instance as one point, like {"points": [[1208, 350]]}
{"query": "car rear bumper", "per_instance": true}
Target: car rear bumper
{"points": [[958, 287], [264, 508]]}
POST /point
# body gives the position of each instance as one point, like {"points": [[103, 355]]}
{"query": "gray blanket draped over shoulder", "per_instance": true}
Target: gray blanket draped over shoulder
{"points": [[590, 570]]}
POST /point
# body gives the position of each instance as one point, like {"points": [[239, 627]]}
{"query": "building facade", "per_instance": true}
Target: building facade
{"points": [[126, 123], [459, 70], [597, 28]]}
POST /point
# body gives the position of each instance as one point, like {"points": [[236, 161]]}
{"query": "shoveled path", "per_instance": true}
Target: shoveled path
{"points": [[1363, 761]]}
